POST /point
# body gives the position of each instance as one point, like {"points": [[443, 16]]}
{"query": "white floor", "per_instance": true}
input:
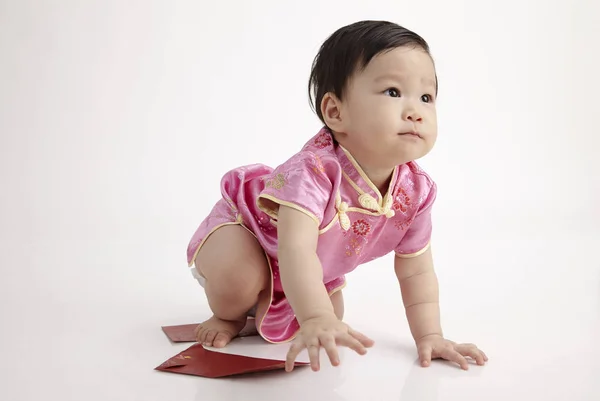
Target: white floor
{"points": [[84, 323]]}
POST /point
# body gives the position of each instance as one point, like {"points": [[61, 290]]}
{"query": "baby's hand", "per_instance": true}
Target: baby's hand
{"points": [[327, 332], [436, 347]]}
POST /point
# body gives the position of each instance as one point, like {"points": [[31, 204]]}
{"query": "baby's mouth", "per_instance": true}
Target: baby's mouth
{"points": [[411, 133]]}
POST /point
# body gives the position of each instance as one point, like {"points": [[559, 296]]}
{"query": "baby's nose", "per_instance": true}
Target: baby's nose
{"points": [[412, 115]]}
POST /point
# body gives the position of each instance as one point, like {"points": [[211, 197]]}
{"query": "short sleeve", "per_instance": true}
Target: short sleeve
{"points": [[418, 235], [300, 183]]}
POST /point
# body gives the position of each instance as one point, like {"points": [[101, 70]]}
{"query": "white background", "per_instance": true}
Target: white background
{"points": [[118, 119]]}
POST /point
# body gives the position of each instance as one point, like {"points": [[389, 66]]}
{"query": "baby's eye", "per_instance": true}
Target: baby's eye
{"points": [[426, 98], [392, 92]]}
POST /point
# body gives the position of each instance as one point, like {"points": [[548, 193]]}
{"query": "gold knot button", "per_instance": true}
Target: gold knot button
{"points": [[342, 208], [368, 202]]}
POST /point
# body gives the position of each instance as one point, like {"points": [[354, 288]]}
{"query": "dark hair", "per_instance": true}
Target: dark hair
{"points": [[351, 48]]}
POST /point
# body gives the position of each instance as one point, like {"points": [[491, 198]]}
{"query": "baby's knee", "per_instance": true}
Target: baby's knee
{"points": [[234, 281], [231, 293]]}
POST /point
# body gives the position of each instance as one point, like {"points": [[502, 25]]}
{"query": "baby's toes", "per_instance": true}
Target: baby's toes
{"points": [[210, 337], [200, 333], [222, 339]]}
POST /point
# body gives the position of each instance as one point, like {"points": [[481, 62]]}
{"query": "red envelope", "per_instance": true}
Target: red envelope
{"points": [[181, 334], [186, 333], [198, 361]]}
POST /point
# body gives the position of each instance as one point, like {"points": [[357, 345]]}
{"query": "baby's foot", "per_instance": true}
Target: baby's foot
{"points": [[218, 333]]}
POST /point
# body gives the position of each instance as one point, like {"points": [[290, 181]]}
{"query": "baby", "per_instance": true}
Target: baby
{"points": [[279, 243]]}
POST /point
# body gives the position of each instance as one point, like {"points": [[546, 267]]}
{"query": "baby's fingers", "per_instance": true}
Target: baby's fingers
{"points": [[348, 341], [425, 356], [292, 354], [364, 340], [472, 351], [331, 348], [450, 354], [313, 355]]}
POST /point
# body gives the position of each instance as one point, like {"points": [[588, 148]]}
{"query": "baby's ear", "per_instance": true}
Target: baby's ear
{"points": [[331, 111]]}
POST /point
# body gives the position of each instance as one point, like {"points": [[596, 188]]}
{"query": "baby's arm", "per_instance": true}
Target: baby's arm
{"points": [[302, 279], [299, 266], [420, 294], [419, 286]]}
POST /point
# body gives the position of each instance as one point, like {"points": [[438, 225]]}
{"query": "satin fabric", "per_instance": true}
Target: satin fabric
{"points": [[357, 223]]}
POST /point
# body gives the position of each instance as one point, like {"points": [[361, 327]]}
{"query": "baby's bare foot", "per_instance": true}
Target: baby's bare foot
{"points": [[218, 333]]}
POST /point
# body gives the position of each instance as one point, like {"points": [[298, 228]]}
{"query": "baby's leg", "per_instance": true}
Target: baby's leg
{"points": [[237, 276]]}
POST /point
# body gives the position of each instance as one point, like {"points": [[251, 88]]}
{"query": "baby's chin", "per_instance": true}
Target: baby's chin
{"points": [[391, 161], [409, 155]]}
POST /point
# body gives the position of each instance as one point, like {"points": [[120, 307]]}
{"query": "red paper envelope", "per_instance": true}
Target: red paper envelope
{"points": [[198, 361], [181, 334], [186, 333]]}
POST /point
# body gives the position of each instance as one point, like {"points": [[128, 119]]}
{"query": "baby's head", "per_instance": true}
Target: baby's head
{"points": [[374, 85]]}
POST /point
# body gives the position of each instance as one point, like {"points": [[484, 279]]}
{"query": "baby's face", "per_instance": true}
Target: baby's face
{"points": [[389, 108]]}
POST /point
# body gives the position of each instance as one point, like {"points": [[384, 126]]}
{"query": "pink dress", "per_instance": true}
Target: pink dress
{"points": [[357, 224]]}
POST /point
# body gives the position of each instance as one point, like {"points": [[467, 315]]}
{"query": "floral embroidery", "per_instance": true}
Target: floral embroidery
{"points": [[355, 245], [402, 201], [358, 237], [276, 182], [323, 140], [361, 227], [403, 225], [318, 167]]}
